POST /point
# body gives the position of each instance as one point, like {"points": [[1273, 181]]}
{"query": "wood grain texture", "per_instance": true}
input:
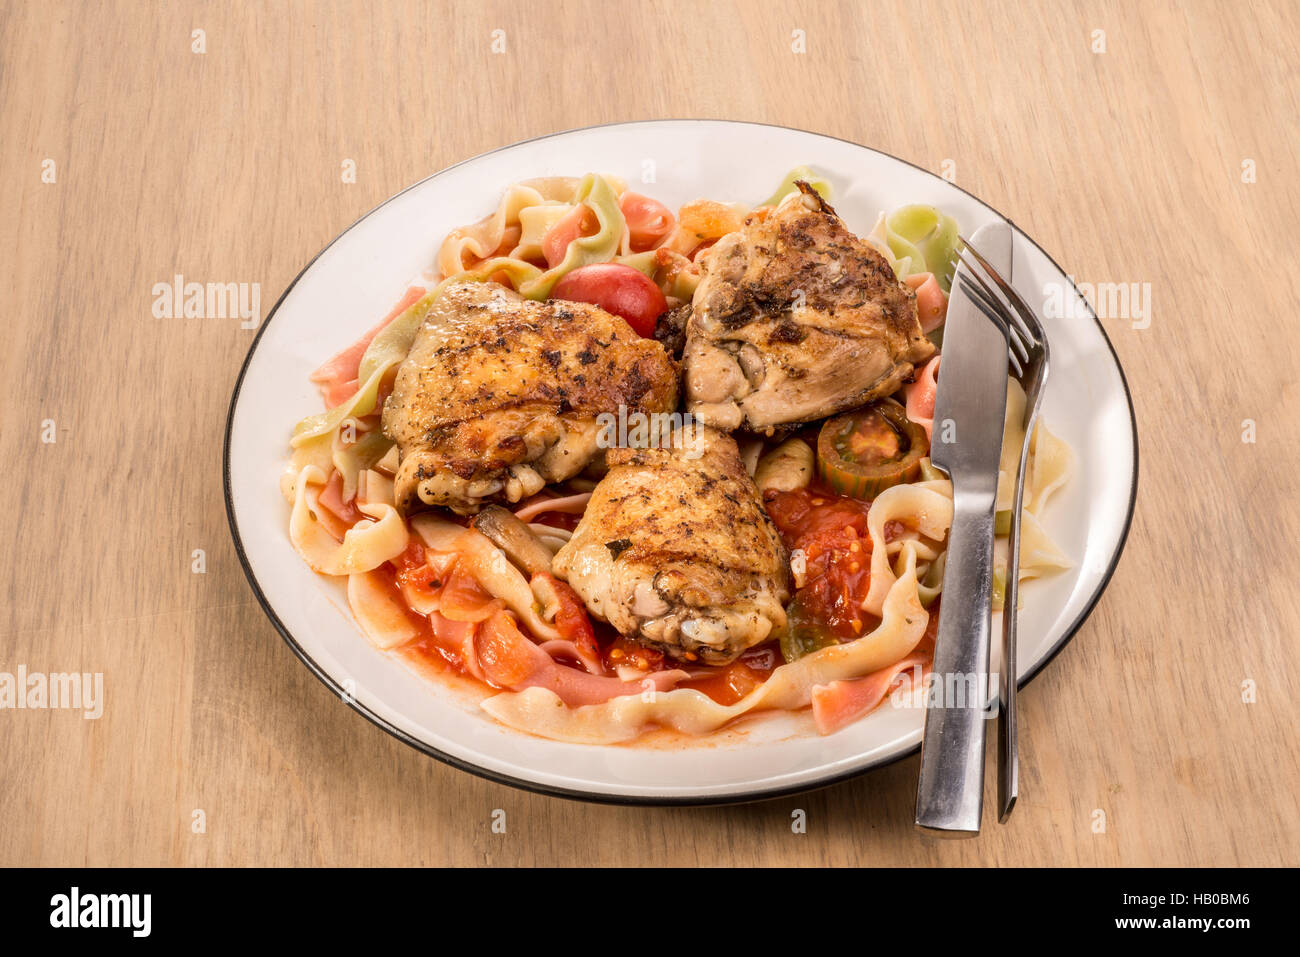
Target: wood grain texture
{"points": [[225, 166]]}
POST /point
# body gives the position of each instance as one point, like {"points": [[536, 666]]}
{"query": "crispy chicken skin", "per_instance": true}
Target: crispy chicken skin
{"points": [[794, 319], [676, 550], [499, 394]]}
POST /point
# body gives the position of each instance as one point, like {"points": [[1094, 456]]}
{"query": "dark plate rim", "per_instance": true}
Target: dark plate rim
{"points": [[740, 797]]}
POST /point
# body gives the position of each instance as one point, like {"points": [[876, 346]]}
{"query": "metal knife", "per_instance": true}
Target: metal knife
{"points": [[969, 414]]}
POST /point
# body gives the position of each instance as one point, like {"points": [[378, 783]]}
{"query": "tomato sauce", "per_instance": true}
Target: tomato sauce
{"points": [[412, 569], [725, 684], [564, 520], [732, 682], [427, 645], [831, 531], [434, 645], [441, 640]]}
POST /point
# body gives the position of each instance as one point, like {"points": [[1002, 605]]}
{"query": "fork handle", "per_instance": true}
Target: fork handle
{"points": [[950, 796], [1008, 744], [1008, 747]]}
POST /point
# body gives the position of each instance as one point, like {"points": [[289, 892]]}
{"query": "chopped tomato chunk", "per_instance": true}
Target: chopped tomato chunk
{"points": [[627, 652], [732, 682], [571, 619], [831, 531]]}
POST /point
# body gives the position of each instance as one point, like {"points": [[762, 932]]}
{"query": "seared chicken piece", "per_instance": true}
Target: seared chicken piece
{"points": [[795, 319], [499, 394], [676, 550]]}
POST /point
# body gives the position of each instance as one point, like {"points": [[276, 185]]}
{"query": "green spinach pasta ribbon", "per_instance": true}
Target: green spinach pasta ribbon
{"points": [[805, 173], [600, 247], [918, 239]]}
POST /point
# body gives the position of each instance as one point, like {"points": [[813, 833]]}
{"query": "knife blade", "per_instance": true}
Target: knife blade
{"points": [[969, 414]]}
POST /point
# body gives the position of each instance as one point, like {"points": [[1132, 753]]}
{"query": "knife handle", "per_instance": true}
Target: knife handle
{"points": [[950, 796]]}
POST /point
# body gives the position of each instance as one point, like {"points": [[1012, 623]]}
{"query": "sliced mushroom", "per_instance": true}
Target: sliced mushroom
{"points": [[515, 538], [750, 452]]}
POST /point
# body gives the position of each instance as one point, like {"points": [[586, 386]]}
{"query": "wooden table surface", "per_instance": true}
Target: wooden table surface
{"points": [[1165, 733]]}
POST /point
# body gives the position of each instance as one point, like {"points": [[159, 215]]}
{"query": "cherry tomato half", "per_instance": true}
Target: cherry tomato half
{"points": [[616, 288]]}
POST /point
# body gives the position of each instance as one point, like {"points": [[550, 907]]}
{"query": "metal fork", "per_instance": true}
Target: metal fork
{"points": [[1028, 353]]}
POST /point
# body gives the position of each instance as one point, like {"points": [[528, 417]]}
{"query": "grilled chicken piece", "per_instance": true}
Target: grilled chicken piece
{"points": [[795, 319], [499, 394], [676, 550]]}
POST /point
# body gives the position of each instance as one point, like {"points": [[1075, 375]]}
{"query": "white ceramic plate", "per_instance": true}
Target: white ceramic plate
{"points": [[358, 277]]}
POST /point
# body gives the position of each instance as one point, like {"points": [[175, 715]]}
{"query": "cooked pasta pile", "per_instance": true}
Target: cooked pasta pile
{"points": [[428, 584]]}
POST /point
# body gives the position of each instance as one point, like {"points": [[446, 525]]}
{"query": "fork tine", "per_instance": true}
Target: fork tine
{"points": [[974, 274], [995, 314], [1023, 316], [1017, 348], [1015, 337]]}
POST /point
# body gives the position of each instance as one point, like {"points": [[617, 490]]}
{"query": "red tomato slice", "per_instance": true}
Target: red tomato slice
{"points": [[616, 288], [579, 221]]}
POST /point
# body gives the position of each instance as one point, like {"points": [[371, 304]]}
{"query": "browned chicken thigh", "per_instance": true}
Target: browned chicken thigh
{"points": [[794, 319], [500, 395], [676, 550]]}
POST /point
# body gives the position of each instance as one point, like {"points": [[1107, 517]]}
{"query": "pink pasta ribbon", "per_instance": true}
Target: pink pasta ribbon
{"points": [[509, 660], [840, 703], [337, 376], [921, 395], [540, 505], [931, 300]]}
